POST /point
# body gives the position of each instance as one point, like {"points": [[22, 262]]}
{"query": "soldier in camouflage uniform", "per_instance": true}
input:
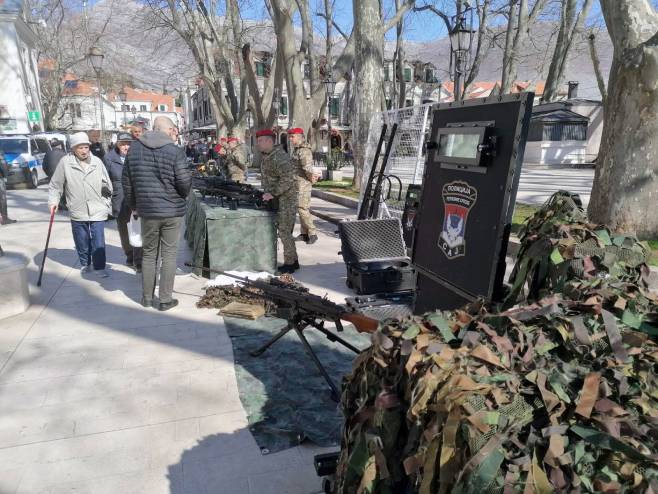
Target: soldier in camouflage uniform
{"points": [[302, 157], [278, 175], [236, 159]]}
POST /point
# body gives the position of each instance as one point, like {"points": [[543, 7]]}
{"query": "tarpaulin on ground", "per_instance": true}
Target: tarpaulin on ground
{"points": [[224, 239], [286, 399]]}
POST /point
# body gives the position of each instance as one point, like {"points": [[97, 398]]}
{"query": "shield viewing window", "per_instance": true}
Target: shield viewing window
{"points": [[461, 145]]}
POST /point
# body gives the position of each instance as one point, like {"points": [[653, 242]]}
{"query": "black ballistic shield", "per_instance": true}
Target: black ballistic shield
{"points": [[464, 219]]}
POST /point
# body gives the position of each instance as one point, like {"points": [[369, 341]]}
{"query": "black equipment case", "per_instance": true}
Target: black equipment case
{"points": [[375, 256]]}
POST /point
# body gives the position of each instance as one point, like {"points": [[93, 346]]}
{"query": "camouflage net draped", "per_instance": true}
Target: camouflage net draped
{"points": [[558, 395]]}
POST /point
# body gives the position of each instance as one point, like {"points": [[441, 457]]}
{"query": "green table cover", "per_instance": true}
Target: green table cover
{"points": [[224, 239]]}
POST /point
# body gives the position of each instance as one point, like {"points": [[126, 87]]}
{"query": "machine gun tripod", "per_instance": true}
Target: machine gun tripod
{"points": [[302, 311]]}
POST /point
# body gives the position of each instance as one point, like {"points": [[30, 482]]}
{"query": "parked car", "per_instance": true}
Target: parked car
{"points": [[55, 135], [24, 154]]}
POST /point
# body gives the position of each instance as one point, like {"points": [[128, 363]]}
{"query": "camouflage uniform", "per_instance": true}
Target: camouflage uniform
{"points": [[278, 176], [236, 162], [303, 159]]}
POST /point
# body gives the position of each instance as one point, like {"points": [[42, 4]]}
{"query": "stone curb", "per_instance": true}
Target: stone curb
{"points": [[348, 202]]}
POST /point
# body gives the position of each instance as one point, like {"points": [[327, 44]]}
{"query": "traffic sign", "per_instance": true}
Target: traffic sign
{"points": [[34, 116]]}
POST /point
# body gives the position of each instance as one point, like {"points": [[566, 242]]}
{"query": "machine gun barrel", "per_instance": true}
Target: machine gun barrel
{"points": [[313, 305]]}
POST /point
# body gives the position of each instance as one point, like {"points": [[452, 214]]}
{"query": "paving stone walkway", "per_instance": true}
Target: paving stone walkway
{"points": [[100, 395]]}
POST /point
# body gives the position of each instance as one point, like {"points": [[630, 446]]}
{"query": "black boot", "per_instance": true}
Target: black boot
{"points": [[302, 237], [289, 268], [312, 239]]}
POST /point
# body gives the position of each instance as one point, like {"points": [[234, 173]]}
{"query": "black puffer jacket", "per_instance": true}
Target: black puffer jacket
{"points": [[114, 168], [156, 179]]}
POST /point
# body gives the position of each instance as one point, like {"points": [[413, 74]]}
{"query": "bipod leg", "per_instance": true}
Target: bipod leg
{"points": [[334, 337], [335, 395], [258, 352]]}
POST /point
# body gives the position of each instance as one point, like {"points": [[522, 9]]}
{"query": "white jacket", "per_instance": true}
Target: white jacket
{"points": [[82, 188]]}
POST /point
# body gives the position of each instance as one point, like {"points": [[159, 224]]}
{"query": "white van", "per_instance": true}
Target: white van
{"points": [[24, 155]]}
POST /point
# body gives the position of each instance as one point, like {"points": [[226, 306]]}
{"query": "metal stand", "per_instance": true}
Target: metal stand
{"points": [[298, 325]]}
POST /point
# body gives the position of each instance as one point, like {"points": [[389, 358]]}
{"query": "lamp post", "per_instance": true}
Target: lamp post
{"points": [[96, 57], [460, 43], [330, 85], [133, 110], [123, 96], [251, 140]]}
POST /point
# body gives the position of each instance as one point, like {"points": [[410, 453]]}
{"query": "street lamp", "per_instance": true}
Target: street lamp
{"points": [[133, 110], [330, 85], [251, 140], [123, 96], [96, 57], [460, 42]]}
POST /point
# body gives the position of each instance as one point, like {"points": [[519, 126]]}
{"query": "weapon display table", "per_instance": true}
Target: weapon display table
{"points": [[224, 239]]}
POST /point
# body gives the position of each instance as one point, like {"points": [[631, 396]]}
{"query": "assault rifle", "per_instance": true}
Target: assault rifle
{"points": [[303, 310], [233, 194]]}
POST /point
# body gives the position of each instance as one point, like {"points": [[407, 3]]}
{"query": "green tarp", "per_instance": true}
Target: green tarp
{"points": [[286, 399], [224, 239]]}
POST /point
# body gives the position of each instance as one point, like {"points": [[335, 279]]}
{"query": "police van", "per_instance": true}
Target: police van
{"points": [[24, 155]]}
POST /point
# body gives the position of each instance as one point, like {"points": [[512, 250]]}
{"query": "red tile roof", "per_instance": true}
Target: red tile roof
{"points": [[154, 98]]}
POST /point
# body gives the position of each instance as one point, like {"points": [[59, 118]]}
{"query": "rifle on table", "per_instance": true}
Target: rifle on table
{"points": [[233, 194], [303, 310]]}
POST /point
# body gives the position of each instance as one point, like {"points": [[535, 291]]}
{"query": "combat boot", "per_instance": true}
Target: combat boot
{"points": [[288, 268], [312, 239], [302, 237]]}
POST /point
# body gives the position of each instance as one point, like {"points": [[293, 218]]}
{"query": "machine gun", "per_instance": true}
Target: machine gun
{"points": [[301, 310], [233, 194]]}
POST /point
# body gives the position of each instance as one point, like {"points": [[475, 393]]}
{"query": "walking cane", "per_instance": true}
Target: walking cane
{"points": [[45, 251]]}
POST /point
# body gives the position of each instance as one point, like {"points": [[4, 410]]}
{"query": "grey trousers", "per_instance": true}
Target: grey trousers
{"points": [[159, 239], [3, 198]]}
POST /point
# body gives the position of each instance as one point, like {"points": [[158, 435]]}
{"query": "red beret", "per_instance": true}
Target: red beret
{"points": [[233, 139], [223, 139], [265, 132], [296, 130]]}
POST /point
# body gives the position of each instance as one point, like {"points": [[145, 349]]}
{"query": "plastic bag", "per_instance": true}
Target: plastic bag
{"points": [[135, 231]]}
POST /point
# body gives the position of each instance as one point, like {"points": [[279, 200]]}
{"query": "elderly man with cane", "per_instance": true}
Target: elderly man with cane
{"points": [[83, 179]]}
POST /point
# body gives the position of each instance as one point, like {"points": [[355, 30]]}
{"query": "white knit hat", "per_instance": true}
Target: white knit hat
{"points": [[79, 138]]}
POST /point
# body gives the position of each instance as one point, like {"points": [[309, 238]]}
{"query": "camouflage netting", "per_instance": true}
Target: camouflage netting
{"points": [[557, 396], [217, 297], [558, 244]]}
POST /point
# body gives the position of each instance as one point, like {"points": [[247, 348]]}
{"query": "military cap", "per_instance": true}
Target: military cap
{"points": [[265, 132], [233, 139], [296, 130]]}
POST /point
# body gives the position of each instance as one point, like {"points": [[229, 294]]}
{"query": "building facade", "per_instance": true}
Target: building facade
{"points": [[20, 93], [80, 108]]}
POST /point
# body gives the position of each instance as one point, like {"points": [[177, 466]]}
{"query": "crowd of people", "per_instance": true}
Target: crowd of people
{"points": [[146, 176]]}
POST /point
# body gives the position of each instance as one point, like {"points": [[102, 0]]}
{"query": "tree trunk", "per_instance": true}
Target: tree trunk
{"points": [[519, 25], [399, 62], [625, 185], [369, 60], [596, 64], [570, 26]]}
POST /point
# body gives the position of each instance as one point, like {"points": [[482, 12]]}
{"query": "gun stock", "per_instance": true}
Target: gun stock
{"points": [[363, 324]]}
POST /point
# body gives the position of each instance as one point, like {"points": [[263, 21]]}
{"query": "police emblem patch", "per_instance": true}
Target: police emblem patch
{"points": [[458, 199]]}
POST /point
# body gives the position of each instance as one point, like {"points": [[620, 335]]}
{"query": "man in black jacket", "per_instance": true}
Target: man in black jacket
{"points": [[114, 161], [156, 182]]}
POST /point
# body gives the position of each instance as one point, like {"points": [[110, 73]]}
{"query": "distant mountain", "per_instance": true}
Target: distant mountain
{"points": [[156, 57]]}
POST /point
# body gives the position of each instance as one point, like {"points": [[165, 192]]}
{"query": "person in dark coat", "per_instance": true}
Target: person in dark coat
{"points": [[156, 182], [114, 161], [53, 156], [97, 149]]}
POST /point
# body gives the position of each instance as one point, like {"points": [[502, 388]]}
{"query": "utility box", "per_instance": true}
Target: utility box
{"points": [[471, 177]]}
